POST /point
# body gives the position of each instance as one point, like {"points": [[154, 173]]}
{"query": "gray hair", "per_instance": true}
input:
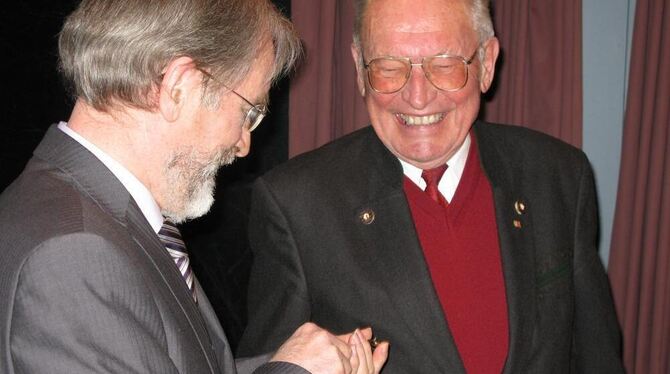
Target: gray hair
{"points": [[479, 13], [115, 50]]}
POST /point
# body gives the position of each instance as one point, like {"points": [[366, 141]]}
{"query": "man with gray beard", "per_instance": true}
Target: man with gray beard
{"points": [[94, 274]]}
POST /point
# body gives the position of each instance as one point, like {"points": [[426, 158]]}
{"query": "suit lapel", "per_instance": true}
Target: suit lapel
{"points": [[147, 239], [516, 241], [392, 240], [92, 177], [100, 184], [217, 336]]}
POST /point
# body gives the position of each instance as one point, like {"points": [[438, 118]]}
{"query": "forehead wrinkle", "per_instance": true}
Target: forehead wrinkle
{"points": [[415, 15], [420, 24], [412, 25], [419, 44]]}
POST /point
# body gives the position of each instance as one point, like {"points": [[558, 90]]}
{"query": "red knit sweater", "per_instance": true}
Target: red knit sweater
{"points": [[460, 244]]}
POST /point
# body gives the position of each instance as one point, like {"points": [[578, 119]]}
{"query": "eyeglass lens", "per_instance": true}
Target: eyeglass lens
{"points": [[254, 117], [388, 75]]}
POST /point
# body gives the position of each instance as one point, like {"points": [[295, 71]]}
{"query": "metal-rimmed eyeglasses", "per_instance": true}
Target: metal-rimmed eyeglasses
{"points": [[255, 113], [389, 74]]}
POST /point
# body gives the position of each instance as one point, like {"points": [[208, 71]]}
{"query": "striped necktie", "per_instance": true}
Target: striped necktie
{"points": [[171, 238]]}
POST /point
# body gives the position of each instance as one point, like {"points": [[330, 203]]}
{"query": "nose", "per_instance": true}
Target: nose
{"points": [[418, 91], [243, 144]]}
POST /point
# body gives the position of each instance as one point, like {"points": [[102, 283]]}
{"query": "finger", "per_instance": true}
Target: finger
{"points": [[366, 333], [345, 361], [342, 346], [370, 337], [379, 356], [367, 349], [355, 359], [345, 337], [364, 366]]}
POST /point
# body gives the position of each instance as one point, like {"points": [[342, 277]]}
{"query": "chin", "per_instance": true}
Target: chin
{"points": [[199, 203], [194, 182]]}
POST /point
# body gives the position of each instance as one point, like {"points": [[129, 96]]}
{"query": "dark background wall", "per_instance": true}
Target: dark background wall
{"points": [[33, 98], [32, 95]]}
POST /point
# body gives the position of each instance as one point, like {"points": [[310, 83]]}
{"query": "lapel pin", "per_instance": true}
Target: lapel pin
{"points": [[367, 216], [519, 207], [517, 223]]}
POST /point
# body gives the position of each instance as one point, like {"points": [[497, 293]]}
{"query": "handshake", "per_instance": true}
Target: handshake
{"points": [[319, 351]]}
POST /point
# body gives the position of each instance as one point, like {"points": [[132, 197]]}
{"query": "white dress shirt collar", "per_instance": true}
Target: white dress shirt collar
{"points": [[451, 177], [137, 190]]}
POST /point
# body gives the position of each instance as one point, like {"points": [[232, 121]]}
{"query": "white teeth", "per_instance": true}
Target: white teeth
{"points": [[421, 120]]}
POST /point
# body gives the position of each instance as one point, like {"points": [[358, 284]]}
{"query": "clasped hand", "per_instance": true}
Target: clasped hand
{"points": [[319, 351]]}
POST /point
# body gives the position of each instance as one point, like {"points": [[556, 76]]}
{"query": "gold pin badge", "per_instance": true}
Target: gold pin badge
{"points": [[367, 216], [519, 207]]}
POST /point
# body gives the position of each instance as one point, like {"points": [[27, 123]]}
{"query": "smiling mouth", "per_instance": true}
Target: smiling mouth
{"points": [[420, 120]]}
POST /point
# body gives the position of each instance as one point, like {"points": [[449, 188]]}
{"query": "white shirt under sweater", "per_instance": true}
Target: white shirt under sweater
{"points": [[451, 177]]}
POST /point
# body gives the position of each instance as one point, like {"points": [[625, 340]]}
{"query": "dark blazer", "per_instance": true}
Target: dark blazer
{"points": [[86, 285], [321, 260]]}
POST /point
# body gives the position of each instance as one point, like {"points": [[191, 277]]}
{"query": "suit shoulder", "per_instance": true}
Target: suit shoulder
{"points": [[329, 159], [38, 204], [41, 206], [73, 255], [532, 145]]}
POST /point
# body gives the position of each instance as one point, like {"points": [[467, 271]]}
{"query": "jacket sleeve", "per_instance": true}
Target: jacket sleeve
{"points": [[280, 367], [596, 338], [260, 365], [78, 307], [278, 301]]}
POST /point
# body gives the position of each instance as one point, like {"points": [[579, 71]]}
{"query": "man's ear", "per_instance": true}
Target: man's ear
{"points": [[488, 64], [357, 55], [180, 81]]}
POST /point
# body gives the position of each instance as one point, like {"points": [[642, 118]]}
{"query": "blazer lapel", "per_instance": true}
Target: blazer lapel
{"points": [[100, 184], [147, 239], [217, 336], [516, 242], [392, 240]]}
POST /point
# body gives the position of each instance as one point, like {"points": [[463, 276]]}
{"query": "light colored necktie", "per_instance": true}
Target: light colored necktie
{"points": [[432, 178], [171, 238]]}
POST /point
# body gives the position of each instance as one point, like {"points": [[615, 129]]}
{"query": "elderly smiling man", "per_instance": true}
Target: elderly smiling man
{"points": [[95, 276], [469, 246]]}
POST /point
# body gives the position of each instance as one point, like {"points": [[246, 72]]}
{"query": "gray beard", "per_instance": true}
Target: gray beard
{"points": [[190, 181]]}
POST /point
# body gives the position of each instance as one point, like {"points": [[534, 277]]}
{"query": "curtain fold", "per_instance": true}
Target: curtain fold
{"points": [[539, 73], [639, 267], [324, 103]]}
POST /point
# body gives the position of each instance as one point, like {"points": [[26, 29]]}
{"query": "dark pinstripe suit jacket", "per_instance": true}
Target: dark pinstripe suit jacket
{"points": [[85, 284], [319, 258]]}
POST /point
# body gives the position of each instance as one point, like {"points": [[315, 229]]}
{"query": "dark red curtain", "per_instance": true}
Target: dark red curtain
{"points": [[324, 102], [539, 81], [539, 73], [639, 267]]}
